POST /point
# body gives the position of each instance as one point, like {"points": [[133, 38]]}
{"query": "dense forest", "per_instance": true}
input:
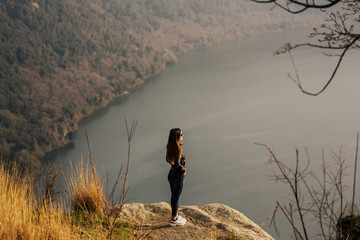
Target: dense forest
{"points": [[61, 60]]}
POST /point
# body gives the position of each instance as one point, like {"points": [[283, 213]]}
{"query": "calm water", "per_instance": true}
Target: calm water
{"points": [[225, 99]]}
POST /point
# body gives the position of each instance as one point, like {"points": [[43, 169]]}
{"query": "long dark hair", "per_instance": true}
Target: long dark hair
{"points": [[173, 148]]}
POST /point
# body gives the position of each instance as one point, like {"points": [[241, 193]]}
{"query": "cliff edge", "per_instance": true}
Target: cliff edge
{"points": [[210, 221]]}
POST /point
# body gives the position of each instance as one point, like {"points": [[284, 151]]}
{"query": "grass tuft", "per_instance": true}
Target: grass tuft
{"points": [[20, 216], [84, 189]]}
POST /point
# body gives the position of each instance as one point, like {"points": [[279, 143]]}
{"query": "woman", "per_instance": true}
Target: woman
{"points": [[175, 156]]}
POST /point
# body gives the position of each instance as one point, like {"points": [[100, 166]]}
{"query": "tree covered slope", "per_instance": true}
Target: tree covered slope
{"points": [[61, 60]]}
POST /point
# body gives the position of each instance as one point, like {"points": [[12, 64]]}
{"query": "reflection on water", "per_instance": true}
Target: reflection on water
{"points": [[225, 99]]}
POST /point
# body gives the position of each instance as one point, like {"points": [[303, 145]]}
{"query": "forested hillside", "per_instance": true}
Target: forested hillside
{"points": [[61, 60]]}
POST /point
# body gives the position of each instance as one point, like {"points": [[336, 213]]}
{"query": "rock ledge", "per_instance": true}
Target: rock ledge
{"points": [[210, 221]]}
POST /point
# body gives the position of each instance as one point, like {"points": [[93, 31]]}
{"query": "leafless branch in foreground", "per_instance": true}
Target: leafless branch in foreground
{"points": [[299, 6], [337, 33], [95, 176], [296, 80], [292, 178], [325, 200], [112, 213]]}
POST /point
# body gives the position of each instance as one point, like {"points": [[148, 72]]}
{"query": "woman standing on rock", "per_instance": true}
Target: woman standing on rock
{"points": [[175, 156]]}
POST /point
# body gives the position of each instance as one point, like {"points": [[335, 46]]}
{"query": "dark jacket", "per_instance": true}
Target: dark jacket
{"points": [[179, 164]]}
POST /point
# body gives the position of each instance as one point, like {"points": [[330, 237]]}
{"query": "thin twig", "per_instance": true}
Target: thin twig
{"points": [[289, 220], [90, 160], [354, 184], [115, 212], [130, 134]]}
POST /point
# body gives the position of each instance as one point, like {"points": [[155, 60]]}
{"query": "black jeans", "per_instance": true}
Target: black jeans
{"points": [[176, 181]]}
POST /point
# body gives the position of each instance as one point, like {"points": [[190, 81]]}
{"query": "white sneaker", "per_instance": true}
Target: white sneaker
{"points": [[178, 222]]}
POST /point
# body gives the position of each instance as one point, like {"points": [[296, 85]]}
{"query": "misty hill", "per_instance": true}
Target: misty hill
{"points": [[61, 60]]}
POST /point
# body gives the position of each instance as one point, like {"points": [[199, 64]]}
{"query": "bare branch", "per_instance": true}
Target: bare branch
{"points": [[354, 184], [355, 167], [285, 212], [96, 179], [115, 211], [271, 216], [130, 134], [297, 81], [303, 4], [336, 33], [291, 178], [111, 195], [326, 202]]}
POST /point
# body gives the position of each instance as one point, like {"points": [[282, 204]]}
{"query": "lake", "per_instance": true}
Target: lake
{"points": [[225, 99]]}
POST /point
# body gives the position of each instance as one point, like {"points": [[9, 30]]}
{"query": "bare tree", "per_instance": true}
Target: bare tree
{"points": [[112, 208], [324, 200], [339, 32], [112, 213]]}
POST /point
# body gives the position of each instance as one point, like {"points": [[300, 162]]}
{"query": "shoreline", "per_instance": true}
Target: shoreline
{"points": [[119, 99], [46, 159], [140, 84]]}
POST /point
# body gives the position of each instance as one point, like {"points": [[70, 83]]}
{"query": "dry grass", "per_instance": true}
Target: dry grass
{"points": [[20, 217], [84, 188], [23, 217]]}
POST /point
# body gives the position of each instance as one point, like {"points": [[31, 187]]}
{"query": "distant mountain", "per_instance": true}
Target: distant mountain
{"points": [[61, 60]]}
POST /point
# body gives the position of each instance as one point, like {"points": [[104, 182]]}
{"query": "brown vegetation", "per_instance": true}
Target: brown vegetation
{"points": [[21, 218], [84, 189], [63, 60]]}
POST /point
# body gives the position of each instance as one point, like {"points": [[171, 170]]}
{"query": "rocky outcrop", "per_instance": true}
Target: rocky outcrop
{"points": [[210, 221]]}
